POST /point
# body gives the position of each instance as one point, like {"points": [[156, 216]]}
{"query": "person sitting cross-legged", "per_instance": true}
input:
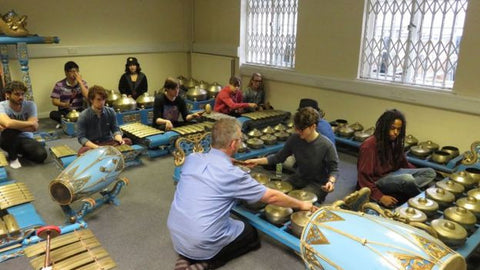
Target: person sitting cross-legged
{"points": [[383, 167], [18, 121], [97, 125]]}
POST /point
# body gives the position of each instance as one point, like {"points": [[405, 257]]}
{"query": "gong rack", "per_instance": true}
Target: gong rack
{"points": [[453, 165], [473, 239], [284, 235]]}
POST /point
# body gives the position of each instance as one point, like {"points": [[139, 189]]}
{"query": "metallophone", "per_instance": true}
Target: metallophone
{"points": [[91, 173], [139, 115], [64, 155], [160, 143]]}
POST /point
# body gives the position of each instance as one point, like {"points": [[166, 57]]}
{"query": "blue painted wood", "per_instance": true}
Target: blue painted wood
{"points": [[3, 174], [33, 39], [69, 128], [279, 234], [265, 150]]}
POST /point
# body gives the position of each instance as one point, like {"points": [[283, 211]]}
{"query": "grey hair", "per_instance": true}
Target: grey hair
{"points": [[224, 131]]}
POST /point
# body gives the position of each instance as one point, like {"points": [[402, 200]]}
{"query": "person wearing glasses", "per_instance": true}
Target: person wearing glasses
{"points": [[68, 94], [199, 221], [316, 157], [18, 121], [383, 167], [255, 92]]}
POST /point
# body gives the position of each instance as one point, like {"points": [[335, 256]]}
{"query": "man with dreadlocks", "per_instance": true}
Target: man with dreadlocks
{"points": [[383, 167]]}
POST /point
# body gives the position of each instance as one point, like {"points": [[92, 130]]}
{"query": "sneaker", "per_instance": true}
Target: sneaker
{"points": [[58, 126], [15, 164]]}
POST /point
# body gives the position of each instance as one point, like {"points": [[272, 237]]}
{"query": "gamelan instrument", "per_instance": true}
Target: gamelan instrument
{"points": [[92, 172], [160, 142], [76, 250], [373, 242]]}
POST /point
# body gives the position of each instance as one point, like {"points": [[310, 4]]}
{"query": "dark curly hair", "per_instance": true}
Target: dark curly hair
{"points": [[387, 150], [305, 117], [14, 85]]}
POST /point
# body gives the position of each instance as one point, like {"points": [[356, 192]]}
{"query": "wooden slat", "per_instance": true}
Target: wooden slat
{"points": [[79, 250], [61, 253], [81, 259], [62, 151], [3, 160], [58, 241], [103, 263], [14, 194]]}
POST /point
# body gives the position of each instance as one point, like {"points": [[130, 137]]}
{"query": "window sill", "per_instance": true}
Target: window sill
{"points": [[408, 94]]}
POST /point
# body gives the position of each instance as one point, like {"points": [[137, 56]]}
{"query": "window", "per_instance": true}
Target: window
{"points": [[412, 41], [271, 31]]}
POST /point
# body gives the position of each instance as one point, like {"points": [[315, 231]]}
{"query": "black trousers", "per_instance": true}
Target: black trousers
{"points": [[247, 241], [57, 115], [30, 149]]}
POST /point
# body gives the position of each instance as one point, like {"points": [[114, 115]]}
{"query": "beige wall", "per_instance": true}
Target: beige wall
{"points": [[99, 36], [107, 22], [216, 22], [328, 46], [104, 70]]}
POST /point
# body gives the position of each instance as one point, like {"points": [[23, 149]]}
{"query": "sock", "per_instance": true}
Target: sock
{"points": [[15, 164]]}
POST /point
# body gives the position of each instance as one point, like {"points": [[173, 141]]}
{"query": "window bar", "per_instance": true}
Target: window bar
{"points": [[451, 46], [438, 46], [268, 30], [419, 66], [379, 43], [293, 37], [407, 72], [388, 45]]}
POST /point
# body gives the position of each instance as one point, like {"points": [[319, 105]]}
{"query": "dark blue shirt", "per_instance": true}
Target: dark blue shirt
{"points": [[324, 128], [97, 129]]}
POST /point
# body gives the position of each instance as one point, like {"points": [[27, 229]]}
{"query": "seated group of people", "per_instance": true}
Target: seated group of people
{"points": [[230, 100], [71, 92], [202, 231], [97, 124], [205, 235]]}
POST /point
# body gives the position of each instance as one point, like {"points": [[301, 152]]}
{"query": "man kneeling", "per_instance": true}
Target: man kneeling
{"points": [[199, 221]]}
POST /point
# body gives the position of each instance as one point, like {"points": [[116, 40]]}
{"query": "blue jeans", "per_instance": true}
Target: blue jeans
{"points": [[406, 182]]}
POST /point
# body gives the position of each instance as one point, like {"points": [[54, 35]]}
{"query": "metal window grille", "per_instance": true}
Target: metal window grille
{"points": [[271, 32], [412, 41]]}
